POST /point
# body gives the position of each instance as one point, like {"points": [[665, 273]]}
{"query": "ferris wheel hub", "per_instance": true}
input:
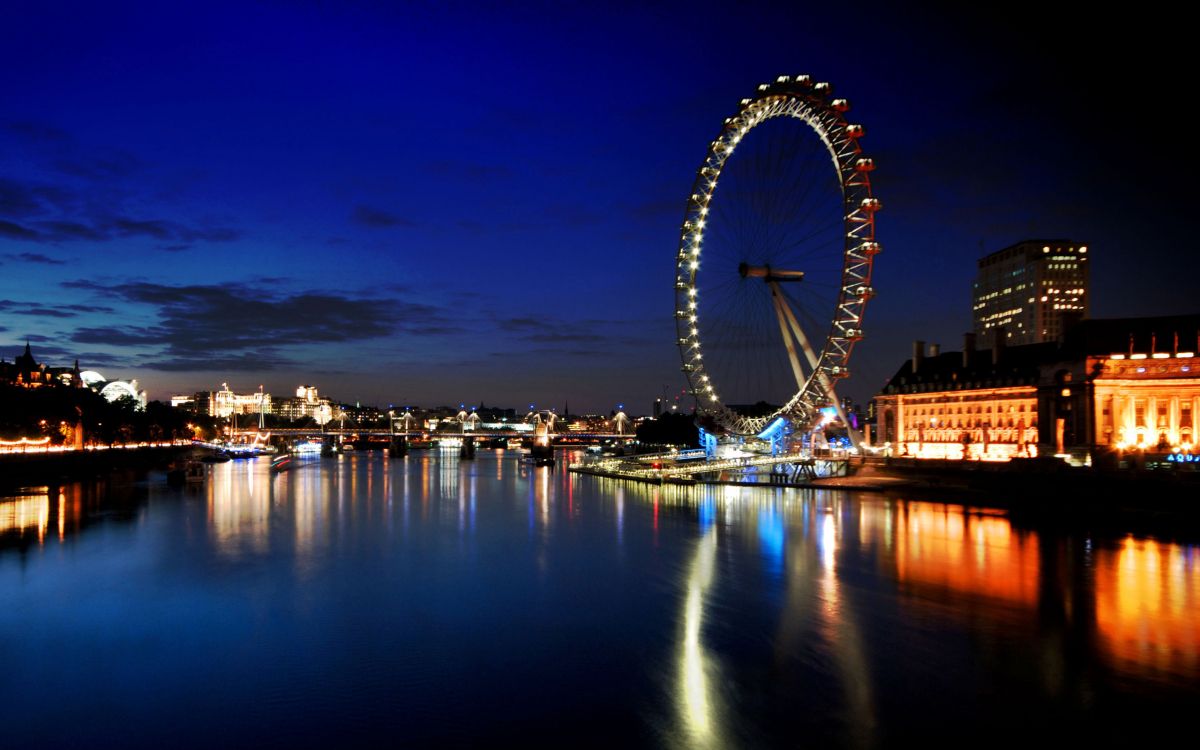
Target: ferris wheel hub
{"points": [[768, 274]]}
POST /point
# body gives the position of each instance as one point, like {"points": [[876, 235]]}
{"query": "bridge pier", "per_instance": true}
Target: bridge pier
{"points": [[398, 445], [467, 449]]}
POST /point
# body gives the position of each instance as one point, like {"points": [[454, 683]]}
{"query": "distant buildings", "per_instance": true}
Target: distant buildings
{"points": [[26, 372], [225, 403], [1031, 292], [306, 403]]}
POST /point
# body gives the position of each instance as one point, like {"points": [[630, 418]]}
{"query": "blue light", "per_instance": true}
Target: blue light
{"points": [[773, 430], [771, 537]]}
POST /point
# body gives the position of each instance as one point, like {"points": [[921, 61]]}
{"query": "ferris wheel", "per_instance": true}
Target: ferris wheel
{"points": [[773, 270]]}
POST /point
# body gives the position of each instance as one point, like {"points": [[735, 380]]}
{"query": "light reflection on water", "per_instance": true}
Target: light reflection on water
{"points": [[704, 616]]}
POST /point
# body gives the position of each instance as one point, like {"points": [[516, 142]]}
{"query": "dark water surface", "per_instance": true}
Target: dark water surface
{"points": [[363, 600]]}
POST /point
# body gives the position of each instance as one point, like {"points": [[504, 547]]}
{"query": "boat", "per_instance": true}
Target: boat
{"points": [[242, 450], [191, 472], [513, 444], [216, 457], [194, 472], [308, 448]]}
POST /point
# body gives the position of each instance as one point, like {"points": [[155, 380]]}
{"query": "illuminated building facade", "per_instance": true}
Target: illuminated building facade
{"points": [[1109, 386], [114, 390], [224, 403], [1033, 291], [969, 404], [307, 403], [1147, 392]]}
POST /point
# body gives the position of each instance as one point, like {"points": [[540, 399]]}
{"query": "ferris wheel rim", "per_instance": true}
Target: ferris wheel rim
{"points": [[800, 98]]}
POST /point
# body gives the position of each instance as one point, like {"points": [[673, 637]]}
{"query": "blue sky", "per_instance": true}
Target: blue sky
{"points": [[436, 203]]}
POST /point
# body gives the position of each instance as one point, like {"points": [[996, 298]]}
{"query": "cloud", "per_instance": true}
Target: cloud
{"points": [[379, 219], [36, 258], [68, 210], [247, 362], [159, 230], [36, 131], [17, 232], [106, 228], [70, 230], [39, 310], [17, 200], [25, 200], [594, 331], [522, 324], [208, 327], [100, 167]]}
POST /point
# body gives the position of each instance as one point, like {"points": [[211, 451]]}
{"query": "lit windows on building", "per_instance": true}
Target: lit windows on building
{"points": [[1059, 268], [1110, 387]]}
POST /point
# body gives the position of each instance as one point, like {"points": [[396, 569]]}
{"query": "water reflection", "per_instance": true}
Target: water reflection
{"points": [[945, 547], [698, 706], [728, 616], [37, 515], [238, 499], [28, 514], [952, 565], [1147, 599]]}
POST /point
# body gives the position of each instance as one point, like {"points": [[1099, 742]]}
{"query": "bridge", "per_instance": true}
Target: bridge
{"points": [[318, 432]]}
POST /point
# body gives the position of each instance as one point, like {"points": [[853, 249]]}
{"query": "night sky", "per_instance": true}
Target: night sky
{"points": [[434, 204]]}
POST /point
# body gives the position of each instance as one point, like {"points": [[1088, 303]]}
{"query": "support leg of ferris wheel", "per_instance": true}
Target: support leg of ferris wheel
{"points": [[787, 319]]}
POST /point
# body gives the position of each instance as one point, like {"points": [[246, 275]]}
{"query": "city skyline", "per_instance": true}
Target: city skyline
{"points": [[446, 205]]}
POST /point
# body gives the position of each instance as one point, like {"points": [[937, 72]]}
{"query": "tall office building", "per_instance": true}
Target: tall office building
{"points": [[1032, 292]]}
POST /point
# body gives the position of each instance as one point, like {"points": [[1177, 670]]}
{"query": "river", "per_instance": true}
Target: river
{"points": [[366, 600]]}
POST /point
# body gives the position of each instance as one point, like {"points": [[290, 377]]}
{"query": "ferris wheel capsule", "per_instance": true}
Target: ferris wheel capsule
{"points": [[870, 205], [840, 105], [865, 164], [824, 88], [855, 131]]}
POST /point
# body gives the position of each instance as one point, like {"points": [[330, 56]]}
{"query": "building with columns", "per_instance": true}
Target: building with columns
{"points": [[1109, 386]]}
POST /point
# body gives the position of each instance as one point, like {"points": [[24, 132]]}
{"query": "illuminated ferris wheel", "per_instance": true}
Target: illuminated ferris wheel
{"points": [[773, 270]]}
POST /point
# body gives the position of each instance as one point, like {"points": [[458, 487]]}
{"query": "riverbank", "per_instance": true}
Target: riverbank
{"points": [[35, 468]]}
